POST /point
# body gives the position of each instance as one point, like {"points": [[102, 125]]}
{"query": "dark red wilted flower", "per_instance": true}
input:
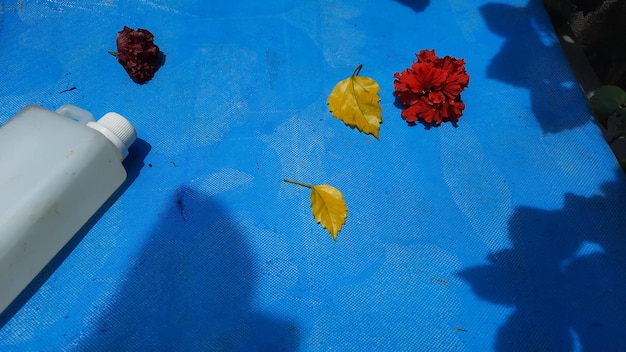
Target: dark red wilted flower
{"points": [[138, 54], [430, 89]]}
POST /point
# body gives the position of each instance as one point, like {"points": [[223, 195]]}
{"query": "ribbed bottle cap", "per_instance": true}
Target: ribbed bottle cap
{"points": [[121, 127], [117, 129]]}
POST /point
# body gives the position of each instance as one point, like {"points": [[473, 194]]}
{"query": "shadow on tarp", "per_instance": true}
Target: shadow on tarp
{"points": [[133, 165], [191, 289], [416, 5], [565, 275], [531, 57]]}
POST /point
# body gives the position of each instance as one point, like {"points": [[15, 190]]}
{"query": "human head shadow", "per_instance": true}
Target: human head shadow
{"points": [[133, 164], [531, 57], [416, 5], [564, 275], [191, 289]]}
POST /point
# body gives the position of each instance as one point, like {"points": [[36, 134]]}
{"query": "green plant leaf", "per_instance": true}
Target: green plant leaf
{"points": [[608, 101]]}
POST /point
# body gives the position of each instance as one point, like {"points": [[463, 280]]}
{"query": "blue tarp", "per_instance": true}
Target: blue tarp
{"points": [[504, 233]]}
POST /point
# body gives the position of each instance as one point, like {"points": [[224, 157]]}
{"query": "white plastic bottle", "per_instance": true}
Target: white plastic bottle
{"points": [[56, 171]]}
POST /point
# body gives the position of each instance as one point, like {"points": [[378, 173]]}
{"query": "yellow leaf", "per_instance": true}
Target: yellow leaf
{"points": [[329, 208], [355, 101]]}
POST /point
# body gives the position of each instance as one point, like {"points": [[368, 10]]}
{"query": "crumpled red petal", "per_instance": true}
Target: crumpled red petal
{"points": [[138, 54]]}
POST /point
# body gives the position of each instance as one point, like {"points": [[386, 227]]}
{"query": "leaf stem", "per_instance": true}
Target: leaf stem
{"points": [[114, 53], [357, 70], [299, 183]]}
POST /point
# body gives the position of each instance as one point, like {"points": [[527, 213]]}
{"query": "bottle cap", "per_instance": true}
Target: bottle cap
{"points": [[117, 129]]}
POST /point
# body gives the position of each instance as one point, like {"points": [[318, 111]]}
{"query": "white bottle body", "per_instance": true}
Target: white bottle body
{"points": [[55, 173]]}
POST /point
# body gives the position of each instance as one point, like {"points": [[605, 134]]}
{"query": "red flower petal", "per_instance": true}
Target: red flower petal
{"points": [[431, 88], [436, 98], [420, 110], [427, 56]]}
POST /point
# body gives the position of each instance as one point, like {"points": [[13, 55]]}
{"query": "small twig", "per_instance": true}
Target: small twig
{"points": [[67, 90]]}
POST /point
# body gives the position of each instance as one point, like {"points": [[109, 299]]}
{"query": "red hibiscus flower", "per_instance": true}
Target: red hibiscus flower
{"points": [[430, 89], [138, 54]]}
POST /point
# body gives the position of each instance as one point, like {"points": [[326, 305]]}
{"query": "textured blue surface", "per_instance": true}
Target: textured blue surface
{"points": [[504, 233]]}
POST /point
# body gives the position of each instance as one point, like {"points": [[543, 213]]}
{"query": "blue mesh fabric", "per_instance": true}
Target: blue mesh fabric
{"points": [[505, 233]]}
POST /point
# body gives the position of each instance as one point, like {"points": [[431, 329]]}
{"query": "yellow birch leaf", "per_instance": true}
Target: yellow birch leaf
{"points": [[355, 101], [329, 208]]}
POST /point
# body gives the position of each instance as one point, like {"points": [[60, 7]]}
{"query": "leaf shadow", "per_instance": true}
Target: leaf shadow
{"points": [[527, 60], [564, 275], [415, 5]]}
